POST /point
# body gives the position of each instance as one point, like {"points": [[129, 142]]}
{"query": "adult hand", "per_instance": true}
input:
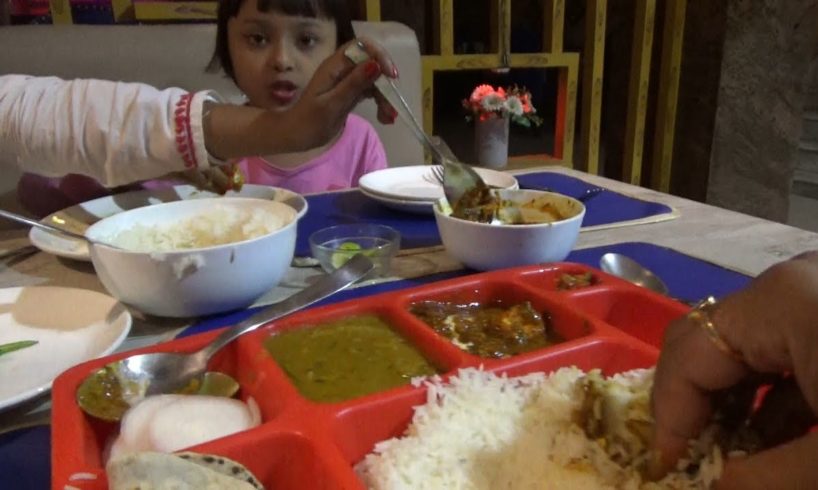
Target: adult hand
{"points": [[773, 325], [337, 86], [215, 179]]}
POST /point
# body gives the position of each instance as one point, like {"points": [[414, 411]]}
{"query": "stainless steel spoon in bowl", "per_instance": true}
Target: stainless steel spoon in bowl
{"points": [[108, 392], [622, 266], [51, 228]]}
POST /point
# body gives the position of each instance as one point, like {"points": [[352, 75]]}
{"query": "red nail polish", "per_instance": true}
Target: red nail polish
{"points": [[372, 69], [395, 71]]}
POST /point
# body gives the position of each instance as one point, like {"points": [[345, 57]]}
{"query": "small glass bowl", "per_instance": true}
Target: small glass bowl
{"points": [[334, 245]]}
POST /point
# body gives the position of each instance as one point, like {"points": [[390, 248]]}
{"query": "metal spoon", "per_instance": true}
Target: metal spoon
{"points": [[630, 270], [110, 391], [458, 178], [53, 229]]}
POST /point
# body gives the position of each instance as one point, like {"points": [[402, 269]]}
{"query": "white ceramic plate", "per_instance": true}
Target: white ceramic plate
{"points": [[416, 183], [71, 326], [416, 207], [79, 217]]}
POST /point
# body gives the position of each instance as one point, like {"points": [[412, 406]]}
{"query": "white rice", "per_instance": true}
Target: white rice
{"points": [[217, 226], [482, 431]]}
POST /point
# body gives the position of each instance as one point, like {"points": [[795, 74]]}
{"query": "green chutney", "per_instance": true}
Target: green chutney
{"points": [[347, 358]]}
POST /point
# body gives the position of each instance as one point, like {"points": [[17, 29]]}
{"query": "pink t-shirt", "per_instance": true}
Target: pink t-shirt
{"points": [[356, 152]]}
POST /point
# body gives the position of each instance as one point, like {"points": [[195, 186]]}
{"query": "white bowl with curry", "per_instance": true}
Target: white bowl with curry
{"points": [[509, 227]]}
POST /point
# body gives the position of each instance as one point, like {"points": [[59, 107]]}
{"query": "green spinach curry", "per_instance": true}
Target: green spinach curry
{"points": [[347, 358]]}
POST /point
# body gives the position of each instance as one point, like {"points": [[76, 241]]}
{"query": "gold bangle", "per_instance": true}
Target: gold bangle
{"points": [[700, 315], [207, 106]]}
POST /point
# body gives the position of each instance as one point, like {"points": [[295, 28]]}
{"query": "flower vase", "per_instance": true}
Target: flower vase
{"points": [[491, 142]]}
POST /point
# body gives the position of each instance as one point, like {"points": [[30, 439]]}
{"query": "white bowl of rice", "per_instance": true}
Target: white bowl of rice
{"points": [[195, 257]]}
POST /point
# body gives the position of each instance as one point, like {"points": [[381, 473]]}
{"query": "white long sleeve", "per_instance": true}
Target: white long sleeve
{"points": [[113, 131]]}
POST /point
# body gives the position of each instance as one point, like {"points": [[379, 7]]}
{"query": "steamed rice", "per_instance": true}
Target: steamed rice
{"points": [[217, 226], [482, 431]]}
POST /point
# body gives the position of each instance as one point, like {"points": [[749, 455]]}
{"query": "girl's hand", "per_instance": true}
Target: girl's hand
{"points": [[773, 324]]}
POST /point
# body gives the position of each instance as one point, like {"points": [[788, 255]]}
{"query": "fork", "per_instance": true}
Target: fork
{"points": [[436, 176], [457, 177]]}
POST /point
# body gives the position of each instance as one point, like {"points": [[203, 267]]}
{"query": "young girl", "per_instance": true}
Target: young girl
{"points": [[271, 49]]}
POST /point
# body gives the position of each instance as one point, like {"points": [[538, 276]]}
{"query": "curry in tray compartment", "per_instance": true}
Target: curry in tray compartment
{"points": [[490, 329], [567, 281], [347, 358]]}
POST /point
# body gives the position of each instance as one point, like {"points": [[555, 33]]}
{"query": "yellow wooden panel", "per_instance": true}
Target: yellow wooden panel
{"points": [[373, 10], [495, 7], [489, 61], [638, 90], [168, 10], [61, 12], [570, 114], [504, 35], [446, 27], [669, 71], [554, 18], [428, 96], [592, 72], [123, 10], [522, 162]]}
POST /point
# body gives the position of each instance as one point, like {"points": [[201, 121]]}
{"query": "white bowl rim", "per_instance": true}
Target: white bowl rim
{"points": [[172, 253], [579, 215]]}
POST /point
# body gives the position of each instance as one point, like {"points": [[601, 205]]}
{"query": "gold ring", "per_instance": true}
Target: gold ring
{"points": [[700, 315]]}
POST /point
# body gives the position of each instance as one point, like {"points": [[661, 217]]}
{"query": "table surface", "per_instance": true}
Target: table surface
{"points": [[736, 241]]}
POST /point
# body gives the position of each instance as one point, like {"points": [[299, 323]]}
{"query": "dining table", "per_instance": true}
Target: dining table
{"points": [[686, 235]]}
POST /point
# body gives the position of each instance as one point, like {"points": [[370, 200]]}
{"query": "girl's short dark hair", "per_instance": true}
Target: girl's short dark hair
{"points": [[337, 10]]}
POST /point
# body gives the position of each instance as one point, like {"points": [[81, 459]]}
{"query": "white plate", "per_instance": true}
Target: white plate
{"points": [[71, 326], [416, 183], [416, 207], [79, 217]]}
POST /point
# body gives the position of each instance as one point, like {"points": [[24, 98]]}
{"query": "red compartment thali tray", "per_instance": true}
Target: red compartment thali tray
{"points": [[611, 325]]}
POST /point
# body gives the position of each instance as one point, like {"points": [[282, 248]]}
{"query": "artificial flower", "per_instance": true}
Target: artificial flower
{"points": [[492, 102], [514, 105], [487, 102]]}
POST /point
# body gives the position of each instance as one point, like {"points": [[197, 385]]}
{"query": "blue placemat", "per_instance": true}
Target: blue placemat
{"points": [[687, 278], [418, 230], [25, 454], [25, 459], [606, 208]]}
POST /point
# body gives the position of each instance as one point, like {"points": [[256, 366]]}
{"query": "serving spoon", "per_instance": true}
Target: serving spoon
{"points": [[622, 266], [108, 392], [457, 177], [51, 228]]}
